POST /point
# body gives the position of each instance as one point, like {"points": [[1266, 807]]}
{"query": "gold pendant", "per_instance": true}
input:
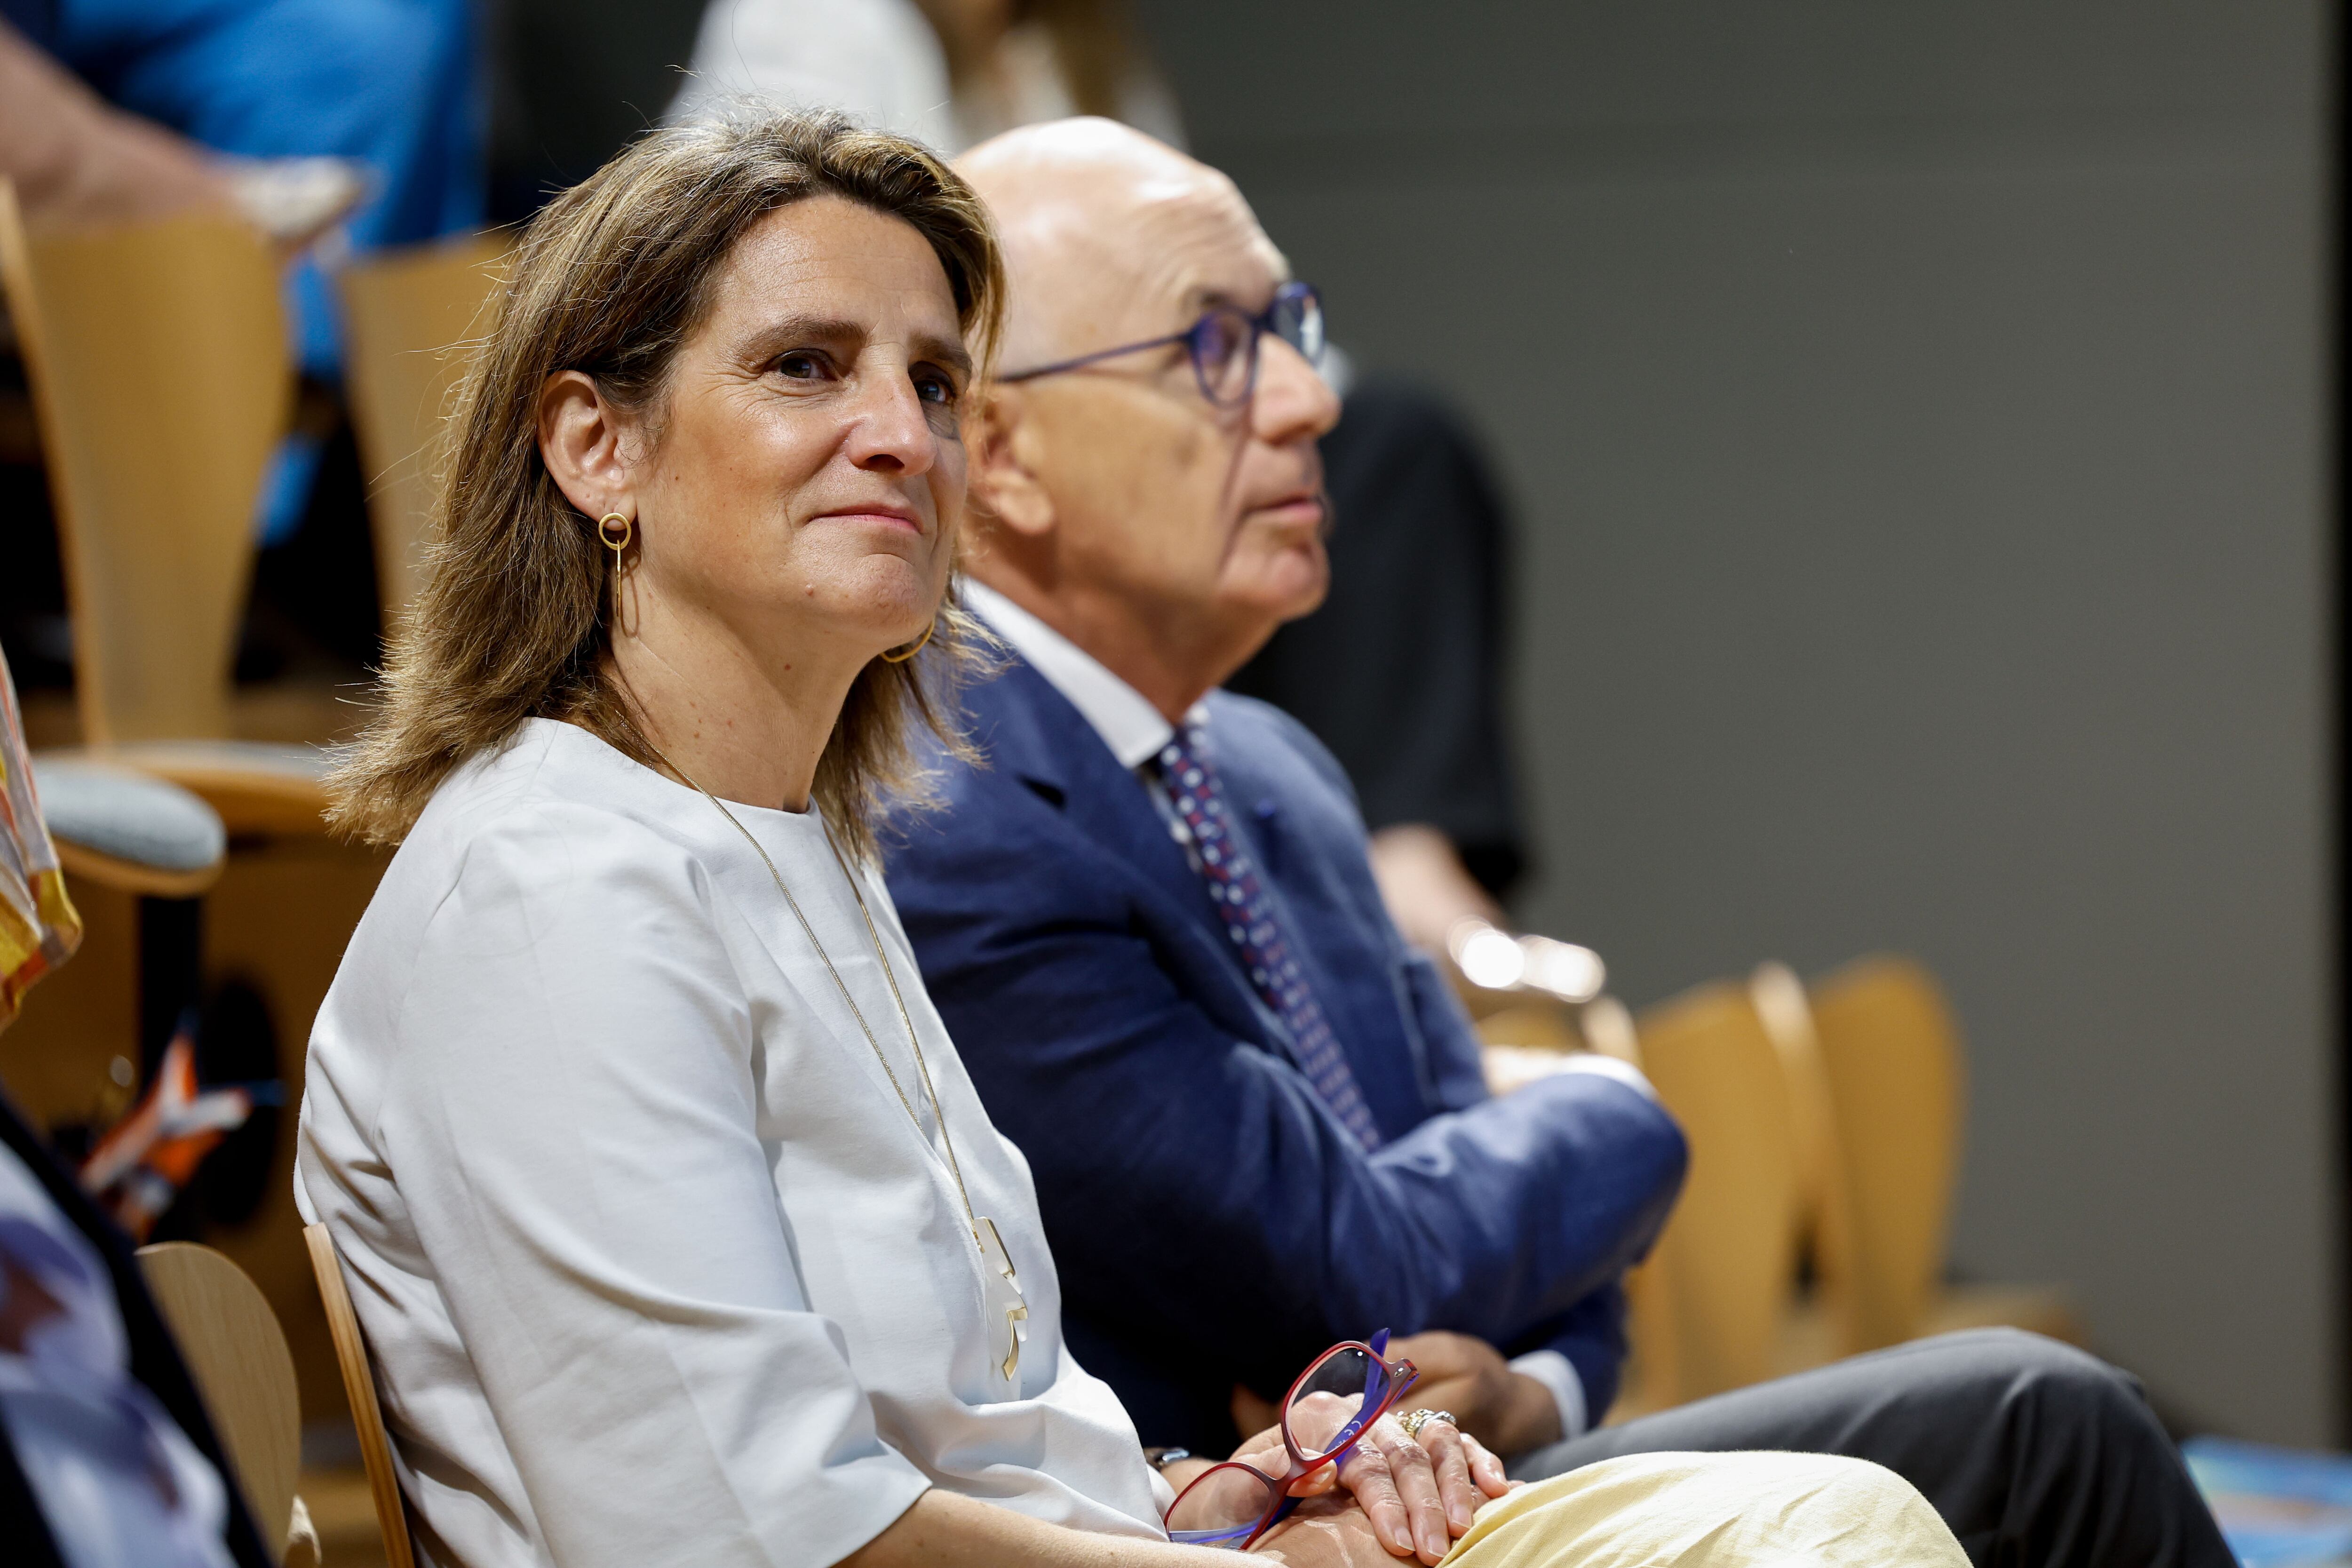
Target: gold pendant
{"points": [[1003, 1293], [1017, 1318]]}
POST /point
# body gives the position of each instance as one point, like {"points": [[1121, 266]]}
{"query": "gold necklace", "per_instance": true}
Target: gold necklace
{"points": [[995, 1261]]}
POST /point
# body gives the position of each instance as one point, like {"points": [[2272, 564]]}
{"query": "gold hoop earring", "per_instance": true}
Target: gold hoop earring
{"points": [[604, 536], [903, 658]]}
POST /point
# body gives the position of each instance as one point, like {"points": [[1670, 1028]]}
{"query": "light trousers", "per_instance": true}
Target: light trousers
{"points": [[1713, 1510]]}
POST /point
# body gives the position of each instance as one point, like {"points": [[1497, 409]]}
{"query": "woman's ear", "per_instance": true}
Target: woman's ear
{"points": [[1006, 449], [581, 441]]}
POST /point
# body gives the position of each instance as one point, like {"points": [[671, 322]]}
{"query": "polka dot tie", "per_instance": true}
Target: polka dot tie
{"points": [[1248, 913]]}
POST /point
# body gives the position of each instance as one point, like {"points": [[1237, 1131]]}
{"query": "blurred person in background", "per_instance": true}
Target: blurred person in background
{"points": [[106, 1454], [75, 161], [389, 88], [947, 73], [1147, 916], [878, 61], [1019, 62], [388, 85]]}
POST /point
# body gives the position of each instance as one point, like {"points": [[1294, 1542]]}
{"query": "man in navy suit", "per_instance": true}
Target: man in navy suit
{"points": [[1255, 1116], [1221, 1218]]}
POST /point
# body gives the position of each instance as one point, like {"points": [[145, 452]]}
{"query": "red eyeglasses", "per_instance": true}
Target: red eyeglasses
{"points": [[1328, 1409]]}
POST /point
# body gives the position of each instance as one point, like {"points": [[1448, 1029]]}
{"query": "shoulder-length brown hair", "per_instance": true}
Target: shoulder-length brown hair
{"points": [[611, 278]]}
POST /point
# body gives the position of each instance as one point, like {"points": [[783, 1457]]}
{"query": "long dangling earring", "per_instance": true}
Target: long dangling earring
{"points": [[616, 541], [903, 658]]}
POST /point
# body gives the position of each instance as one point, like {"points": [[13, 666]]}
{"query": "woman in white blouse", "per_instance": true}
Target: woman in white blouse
{"points": [[677, 1230]]}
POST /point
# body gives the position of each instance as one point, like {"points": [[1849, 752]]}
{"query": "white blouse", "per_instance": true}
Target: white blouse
{"points": [[653, 1264]]}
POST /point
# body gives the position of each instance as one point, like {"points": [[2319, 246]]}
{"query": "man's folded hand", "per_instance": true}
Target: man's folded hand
{"points": [[1510, 1412]]}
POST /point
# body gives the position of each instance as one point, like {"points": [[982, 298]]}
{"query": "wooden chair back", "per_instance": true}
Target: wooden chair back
{"points": [[359, 1385], [413, 318], [237, 1354], [1893, 1065], [1824, 1219], [158, 361], [1718, 1290]]}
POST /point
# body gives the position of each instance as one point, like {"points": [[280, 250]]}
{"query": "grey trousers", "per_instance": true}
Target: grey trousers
{"points": [[2036, 1454]]}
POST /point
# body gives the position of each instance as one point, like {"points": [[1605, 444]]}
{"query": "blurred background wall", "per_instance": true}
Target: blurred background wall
{"points": [[1917, 422]]}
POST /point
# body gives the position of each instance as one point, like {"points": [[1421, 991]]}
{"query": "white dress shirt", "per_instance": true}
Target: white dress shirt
{"points": [[653, 1261], [1125, 719], [1134, 731]]}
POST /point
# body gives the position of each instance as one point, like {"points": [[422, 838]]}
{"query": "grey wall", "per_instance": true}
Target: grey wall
{"points": [[1916, 416]]}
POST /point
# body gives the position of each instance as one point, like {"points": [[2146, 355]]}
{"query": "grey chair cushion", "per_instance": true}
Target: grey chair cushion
{"points": [[289, 759], [128, 814]]}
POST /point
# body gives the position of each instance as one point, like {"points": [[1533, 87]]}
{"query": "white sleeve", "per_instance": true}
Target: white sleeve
{"points": [[1558, 1374], [1599, 1066], [573, 1122]]}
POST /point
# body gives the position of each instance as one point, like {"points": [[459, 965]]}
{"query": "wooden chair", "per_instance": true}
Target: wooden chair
{"points": [[358, 1383], [158, 361], [1710, 1306], [1897, 1100], [413, 316], [1819, 1328], [237, 1357], [1892, 1073]]}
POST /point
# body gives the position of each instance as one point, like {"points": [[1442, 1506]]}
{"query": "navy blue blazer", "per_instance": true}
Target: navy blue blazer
{"points": [[1211, 1221]]}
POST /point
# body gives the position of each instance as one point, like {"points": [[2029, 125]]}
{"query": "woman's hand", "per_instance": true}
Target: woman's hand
{"points": [[1326, 1532], [1414, 1496], [1420, 1493]]}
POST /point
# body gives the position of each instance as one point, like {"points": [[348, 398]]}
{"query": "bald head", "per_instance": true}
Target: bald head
{"points": [[1165, 531], [1111, 237]]}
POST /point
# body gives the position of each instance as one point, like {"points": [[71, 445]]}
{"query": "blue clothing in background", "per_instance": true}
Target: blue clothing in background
{"points": [[36, 19], [1211, 1221], [393, 84]]}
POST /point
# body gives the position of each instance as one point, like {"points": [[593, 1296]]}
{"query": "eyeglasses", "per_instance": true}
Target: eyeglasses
{"points": [[1223, 344], [1328, 1409]]}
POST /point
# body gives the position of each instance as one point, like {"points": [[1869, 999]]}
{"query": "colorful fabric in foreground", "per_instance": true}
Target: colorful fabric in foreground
{"points": [[38, 928], [2279, 1508]]}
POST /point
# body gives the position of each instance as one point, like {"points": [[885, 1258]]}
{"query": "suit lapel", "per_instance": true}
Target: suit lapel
{"points": [[1060, 755], [1034, 733]]}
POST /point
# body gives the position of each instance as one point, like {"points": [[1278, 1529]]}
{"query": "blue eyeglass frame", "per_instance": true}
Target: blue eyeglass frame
{"points": [[1300, 303]]}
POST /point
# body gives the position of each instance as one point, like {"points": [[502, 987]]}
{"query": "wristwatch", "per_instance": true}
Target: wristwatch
{"points": [[1161, 1459]]}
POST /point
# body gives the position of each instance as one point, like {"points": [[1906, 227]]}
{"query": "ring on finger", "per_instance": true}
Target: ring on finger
{"points": [[1413, 1421]]}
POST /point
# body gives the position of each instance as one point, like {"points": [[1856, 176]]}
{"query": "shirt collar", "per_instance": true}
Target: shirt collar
{"points": [[1128, 725]]}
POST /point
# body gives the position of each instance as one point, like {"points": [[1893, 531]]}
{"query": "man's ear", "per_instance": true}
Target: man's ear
{"points": [[582, 441], [1007, 451]]}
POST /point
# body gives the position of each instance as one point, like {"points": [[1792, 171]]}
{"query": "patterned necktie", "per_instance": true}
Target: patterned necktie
{"points": [[1241, 899]]}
